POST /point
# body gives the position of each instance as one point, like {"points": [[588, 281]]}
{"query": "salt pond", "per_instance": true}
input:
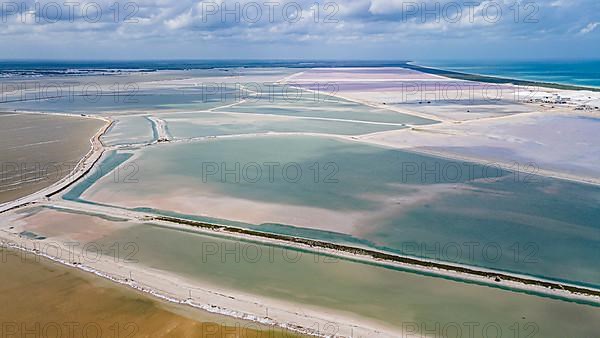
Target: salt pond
{"points": [[392, 200], [303, 103], [188, 125], [129, 130], [390, 297]]}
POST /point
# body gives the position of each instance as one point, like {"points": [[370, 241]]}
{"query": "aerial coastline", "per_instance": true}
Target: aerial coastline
{"points": [[150, 283], [352, 169]]}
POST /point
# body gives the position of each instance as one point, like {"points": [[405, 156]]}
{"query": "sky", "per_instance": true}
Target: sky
{"points": [[278, 29]]}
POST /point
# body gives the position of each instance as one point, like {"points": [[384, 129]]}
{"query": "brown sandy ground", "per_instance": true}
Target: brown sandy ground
{"points": [[43, 298]]}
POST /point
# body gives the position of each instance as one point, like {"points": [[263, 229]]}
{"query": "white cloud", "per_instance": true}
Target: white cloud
{"points": [[180, 21], [589, 28]]}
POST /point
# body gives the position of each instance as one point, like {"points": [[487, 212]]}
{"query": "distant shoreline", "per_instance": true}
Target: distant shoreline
{"points": [[66, 68]]}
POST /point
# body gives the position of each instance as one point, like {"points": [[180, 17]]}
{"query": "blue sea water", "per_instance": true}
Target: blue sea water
{"points": [[581, 73]]}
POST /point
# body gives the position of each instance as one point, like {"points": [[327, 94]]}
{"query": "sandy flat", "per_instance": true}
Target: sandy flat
{"points": [[561, 142], [359, 73], [41, 149], [191, 201], [45, 297]]}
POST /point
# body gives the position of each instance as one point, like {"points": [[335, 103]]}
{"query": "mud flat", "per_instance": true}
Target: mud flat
{"points": [[41, 149], [412, 93], [42, 296], [558, 144]]}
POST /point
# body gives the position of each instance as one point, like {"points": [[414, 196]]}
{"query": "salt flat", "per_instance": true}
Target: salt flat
{"points": [[562, 142]]}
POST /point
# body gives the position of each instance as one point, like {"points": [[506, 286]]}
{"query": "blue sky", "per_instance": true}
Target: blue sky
{"points": [[353, 29]]}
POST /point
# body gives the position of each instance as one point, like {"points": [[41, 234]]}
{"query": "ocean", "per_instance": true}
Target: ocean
{"points": [[580, 73]]}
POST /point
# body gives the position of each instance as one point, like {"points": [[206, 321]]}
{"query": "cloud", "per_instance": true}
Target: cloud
{"points": [[589, 28], [180, 21], [335, 24]]}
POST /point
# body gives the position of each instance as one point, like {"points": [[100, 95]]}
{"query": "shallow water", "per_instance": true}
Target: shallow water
{"points": [[396, 201], [303, 103], [141, 100], [215, 124], [129, 130], [388, 296]]}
